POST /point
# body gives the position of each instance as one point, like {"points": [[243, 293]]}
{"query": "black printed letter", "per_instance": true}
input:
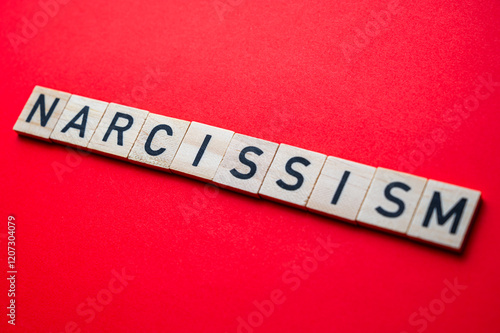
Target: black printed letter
{"points": [[83, 113], [147, 146], [342, 183], [435, 204], [119, 129], [392, 198], [202, 150], [247, 162], [40, 102], [298, 175]]}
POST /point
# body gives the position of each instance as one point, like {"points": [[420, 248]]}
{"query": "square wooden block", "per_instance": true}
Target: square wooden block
{"points": [[78, 121], [341, 188], [201, 151], [116, 133], [41, 112], [444, 214], [245, 164], [292, 175], [391, 200], [158, 141]]}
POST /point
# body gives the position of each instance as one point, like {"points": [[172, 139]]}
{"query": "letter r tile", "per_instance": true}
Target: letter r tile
{"points": [[117, 130]]}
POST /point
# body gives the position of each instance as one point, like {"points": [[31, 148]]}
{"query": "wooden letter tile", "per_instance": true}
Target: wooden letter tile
{"points": [[341, 188], [391, 200], [78, 121], [117, 130], [444, 214], [245, 164], [201, 151], [292, 175], [41, 112], [158, 141]]}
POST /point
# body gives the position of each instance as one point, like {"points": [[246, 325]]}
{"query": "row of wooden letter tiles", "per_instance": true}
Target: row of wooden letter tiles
{"points": [[415, 207]]}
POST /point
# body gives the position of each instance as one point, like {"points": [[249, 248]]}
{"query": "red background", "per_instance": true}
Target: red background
{"points": [[270, 69]]}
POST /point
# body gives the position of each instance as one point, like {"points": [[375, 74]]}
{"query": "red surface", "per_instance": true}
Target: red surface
{"points": [[274, 70]]}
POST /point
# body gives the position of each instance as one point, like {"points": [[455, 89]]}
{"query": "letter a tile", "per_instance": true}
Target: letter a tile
{"points": [[78, 121]]}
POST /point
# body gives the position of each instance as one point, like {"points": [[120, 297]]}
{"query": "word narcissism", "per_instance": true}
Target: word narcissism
{"points": [[418, 208]]}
